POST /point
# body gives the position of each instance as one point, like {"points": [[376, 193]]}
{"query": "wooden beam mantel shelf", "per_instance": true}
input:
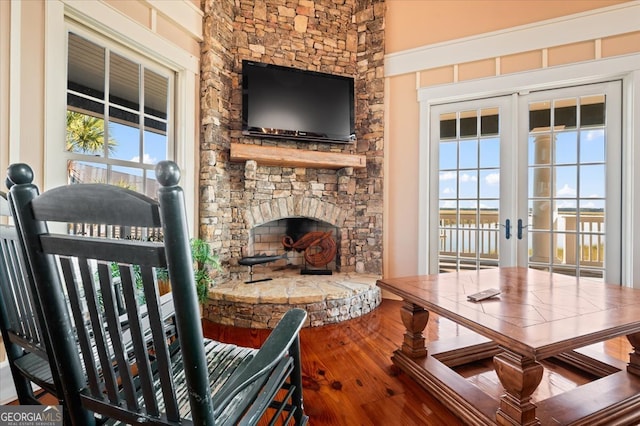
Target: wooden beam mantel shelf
{"points": [[292, 157]]}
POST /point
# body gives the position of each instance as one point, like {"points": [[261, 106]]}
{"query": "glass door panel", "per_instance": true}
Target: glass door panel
{"points": [[469, 160], [567, 181], [543, 191]]}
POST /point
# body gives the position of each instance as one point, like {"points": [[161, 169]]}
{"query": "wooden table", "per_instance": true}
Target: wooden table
{"points": [[538, 315]]}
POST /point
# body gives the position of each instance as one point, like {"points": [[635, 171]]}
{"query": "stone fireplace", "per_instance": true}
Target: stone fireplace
{"points": [[272, 197], [274, 201], [344, 38], [240, 199]]}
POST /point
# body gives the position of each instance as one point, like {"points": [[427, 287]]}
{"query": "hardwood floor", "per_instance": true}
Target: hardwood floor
{"points": [[349, 378], [348, 375]]}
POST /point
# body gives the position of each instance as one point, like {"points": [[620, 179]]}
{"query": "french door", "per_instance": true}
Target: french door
{"points": [[529, 179]]}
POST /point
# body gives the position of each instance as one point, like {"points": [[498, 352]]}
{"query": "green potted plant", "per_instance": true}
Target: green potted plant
{"points": [[204, 262]]}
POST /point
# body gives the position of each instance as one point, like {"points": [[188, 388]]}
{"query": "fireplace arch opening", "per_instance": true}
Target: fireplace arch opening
{"points": [[309, 244]]}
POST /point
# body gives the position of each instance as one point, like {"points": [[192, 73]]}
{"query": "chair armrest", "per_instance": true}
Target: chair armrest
{"points": [[272, 351]]}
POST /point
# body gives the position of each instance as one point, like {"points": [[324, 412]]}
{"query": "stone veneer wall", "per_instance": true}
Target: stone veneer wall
{"points": [[343, 37]]}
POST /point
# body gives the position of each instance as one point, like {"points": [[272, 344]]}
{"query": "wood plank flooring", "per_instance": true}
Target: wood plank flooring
{"points": [[349, 378]]}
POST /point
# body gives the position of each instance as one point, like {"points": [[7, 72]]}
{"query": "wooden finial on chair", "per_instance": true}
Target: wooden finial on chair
{"points": [[19, 173], [167, 173]]}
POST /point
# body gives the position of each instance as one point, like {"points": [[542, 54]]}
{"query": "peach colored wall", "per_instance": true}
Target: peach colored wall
{"points": [[402, 176], [145, 15], [415, 23], [621, 45], [171, 32], [571, 53], [138, 11], [411, 24], [521, 62]]}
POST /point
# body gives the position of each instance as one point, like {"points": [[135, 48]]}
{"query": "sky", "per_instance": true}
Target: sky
{"points": [[578, 166], [155, 147]]}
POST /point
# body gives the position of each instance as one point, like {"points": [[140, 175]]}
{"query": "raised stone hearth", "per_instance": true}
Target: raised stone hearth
{"points": [[328, 299]]}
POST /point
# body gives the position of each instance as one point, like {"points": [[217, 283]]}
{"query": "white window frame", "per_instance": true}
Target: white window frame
{"points": [[624, 68], [108, 22], [148, 65]]}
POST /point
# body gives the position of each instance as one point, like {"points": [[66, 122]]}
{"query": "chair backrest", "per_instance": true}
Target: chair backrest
{"points": [[101, 372], [21, 314]]}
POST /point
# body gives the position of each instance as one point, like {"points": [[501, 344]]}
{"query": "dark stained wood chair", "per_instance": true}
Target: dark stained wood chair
{"points": [[159, 380], [24, 339]]}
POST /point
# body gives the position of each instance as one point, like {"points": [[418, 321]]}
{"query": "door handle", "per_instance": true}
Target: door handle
{"points": [[507, 229], [521, 226]]}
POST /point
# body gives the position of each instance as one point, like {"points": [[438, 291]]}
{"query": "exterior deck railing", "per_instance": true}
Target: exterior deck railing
{"points": [[475, 234]]}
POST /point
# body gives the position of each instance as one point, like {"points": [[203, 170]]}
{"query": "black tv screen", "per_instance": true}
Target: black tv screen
{"points": [[283, 102]]}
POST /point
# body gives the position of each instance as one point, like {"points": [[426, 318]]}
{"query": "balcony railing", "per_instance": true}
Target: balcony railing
{"points": [[472, 236], [469, 233]]}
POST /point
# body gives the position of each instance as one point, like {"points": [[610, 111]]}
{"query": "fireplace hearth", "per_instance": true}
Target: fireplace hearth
{"points": [[327, 299]]}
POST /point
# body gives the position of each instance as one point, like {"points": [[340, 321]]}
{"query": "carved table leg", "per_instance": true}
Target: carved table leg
{"points": [[520, 376], [415, 320], [634, 357]]}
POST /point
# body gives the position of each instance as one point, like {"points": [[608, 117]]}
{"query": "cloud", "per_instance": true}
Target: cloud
{"points": [[565, 204], [566, 191], [447, 175], [492, 178], [147, 159], [591, 135], [487, 206], [467, 178], [448, 191]]}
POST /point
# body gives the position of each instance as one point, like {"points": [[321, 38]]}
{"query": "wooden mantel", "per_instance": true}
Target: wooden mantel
{"points": [[292, 157]]}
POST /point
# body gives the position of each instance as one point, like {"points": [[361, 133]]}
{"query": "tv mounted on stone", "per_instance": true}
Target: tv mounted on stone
{"points": [[284, 102]]}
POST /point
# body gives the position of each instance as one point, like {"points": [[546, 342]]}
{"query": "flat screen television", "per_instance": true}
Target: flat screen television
{"points": [[283, 102]]}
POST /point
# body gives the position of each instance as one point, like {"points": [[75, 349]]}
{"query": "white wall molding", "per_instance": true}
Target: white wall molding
{"points": [[591, 25], [540, 79], [106, 20], [631, 178], [183, 13], [55, 95]]}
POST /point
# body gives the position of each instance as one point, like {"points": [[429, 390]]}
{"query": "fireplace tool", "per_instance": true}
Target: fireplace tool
{"points": [[259, 259]]}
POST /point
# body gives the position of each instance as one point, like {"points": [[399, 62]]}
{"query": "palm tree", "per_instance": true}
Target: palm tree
{"points": [[85, 134]]}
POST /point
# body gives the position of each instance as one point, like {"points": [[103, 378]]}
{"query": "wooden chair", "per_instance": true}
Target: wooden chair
{"points": [[24, 339], [188, 380]]}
